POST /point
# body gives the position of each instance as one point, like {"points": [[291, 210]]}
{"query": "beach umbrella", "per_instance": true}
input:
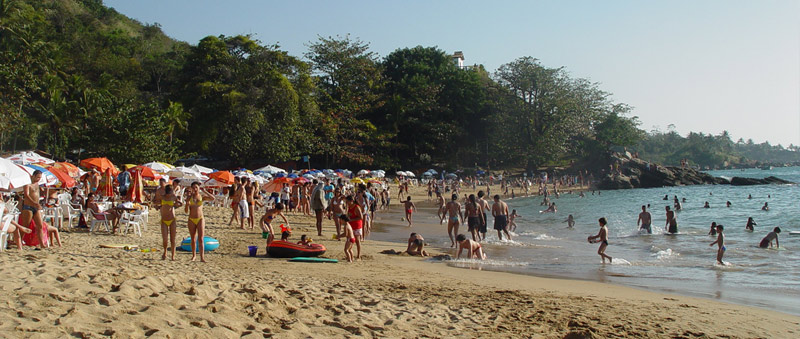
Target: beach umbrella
{"points": [[280, 175], [271, 169], [181, 172], [101, 164], [48, 179], [136, 189], [410, 174], [292, 176], [202, 169], [282, 180], [12, 176], [145, 172], [363, 172], [65, 181], [106, 187], [159, 167], [223, 177], [357, 181], [70, 169], [24, 158], [374, 181], [300, 181]]}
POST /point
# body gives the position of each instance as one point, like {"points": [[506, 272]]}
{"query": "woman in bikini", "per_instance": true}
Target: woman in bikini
{"points": [[338, 210], [356, 219], [197, 223], [168, 224], [266, 222]]}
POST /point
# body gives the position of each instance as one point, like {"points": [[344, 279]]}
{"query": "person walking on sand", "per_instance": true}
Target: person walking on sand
{"points": [[197, 223], [349, 235], [355, 215], [601, 237], [318, 203], [672, 223], [441, 212], [500, 214], [720, 242], [453, 208], [644, 221], [168, 224], [410, 208]]}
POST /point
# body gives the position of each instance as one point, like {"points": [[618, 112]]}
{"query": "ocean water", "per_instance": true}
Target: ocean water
{"points": [[683, 263]]}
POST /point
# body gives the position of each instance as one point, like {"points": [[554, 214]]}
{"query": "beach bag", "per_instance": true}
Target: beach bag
{"points": [[82, 222]]}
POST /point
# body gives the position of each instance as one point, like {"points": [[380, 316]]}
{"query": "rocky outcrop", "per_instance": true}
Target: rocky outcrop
{"points": [[738, 181], [637, 173]]}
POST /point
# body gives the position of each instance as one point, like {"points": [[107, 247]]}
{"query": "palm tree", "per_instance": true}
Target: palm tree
{"points": [[176, 119]]}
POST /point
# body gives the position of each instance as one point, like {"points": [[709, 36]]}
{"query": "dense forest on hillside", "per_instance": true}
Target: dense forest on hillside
{"points": [[78, 79]]}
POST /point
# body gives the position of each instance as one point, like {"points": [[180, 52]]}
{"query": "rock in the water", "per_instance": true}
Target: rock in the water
{"points": [[739, 181]]}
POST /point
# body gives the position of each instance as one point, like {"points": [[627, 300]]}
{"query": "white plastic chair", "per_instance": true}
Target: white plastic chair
{"points": [[71, 213], [53, 213], [145, 214], [104, 222], [132, 219]]}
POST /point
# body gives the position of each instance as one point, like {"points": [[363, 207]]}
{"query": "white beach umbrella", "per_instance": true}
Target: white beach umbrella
{"points": [[201, 169], [183, 173], [363, 172], [24, 158], [410, 174], [12, 176], [159, 167], [377, 174], [271, 169]]}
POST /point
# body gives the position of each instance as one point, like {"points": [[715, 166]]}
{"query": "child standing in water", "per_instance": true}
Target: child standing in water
{"points": [[601, 237], [720, 242], [570, 221], [511, 220]]}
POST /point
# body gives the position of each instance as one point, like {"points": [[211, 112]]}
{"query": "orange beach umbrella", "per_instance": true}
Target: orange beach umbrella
{"points": [[106, 187], [101, 164], [70, 169], [223, 177], [65, 180], [136, 190]]}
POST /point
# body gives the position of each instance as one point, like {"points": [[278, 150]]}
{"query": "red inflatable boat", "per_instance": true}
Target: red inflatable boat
{"points": [[285, 249]]}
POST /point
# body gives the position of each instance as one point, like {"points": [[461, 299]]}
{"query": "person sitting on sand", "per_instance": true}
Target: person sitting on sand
{"points": [[713, 230], [285, 235], [601, 237], [570, 220], [305, 241], [410, 208], [767, 241], [349, 235], [512, 224], [765, 207], [750, 224], [416, 244], [474, 249], [720, 242], [9, 226], [266, 222]]}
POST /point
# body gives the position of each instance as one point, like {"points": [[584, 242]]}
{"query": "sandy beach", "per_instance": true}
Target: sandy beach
{"points": [[84, 291]]}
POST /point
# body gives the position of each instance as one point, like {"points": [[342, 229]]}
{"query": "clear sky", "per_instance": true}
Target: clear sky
{"points": [[700, 65]]}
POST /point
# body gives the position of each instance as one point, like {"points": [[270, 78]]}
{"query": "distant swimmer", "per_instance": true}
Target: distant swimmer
{"points": [[706, 205], [582, 195], [720, 242], [728, 204], [749, 196], [750, 224], [474, 249], [672, 223], [765, 207], [677, 204], [550, 209], [713, 230], [666, 197], [570, 221], [767, 241], [602, 238], [644, 221]]}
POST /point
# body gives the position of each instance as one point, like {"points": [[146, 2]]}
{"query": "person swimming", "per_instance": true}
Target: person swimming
{"points": [[750, 224], [713, 230], [706, 205]]}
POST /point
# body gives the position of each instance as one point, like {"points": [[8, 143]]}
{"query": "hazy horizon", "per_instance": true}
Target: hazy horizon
{"points": [[703, 66]]}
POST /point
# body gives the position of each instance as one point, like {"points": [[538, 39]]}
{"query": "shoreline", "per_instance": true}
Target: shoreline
{"points": [[85, 291]]}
